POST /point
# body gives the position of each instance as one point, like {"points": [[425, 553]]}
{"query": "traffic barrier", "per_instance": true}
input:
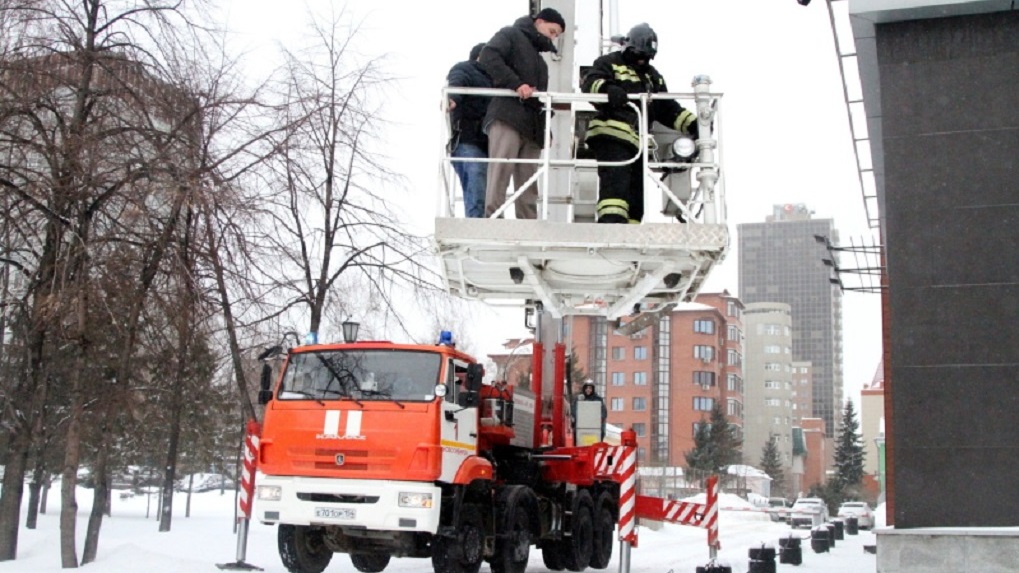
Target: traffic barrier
{"points": [[831, 534], [790, 551], [839, 529], [819, 539], [762, 559], [852, 526], [246, 497]]}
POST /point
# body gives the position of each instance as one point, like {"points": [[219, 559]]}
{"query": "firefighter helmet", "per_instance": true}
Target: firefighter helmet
{"points": [[642, 40]]}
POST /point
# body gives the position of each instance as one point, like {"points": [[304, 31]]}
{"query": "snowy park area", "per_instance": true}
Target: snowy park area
{"points": [[130, 542]]}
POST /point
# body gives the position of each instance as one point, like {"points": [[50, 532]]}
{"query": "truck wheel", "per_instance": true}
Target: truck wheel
{"points": [[303, 549], [513, 544], [604, 532], [369, 562], [462, 554], [579, 546], [552, 555]]}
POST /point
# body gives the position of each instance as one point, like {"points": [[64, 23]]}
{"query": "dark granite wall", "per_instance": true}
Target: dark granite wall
{"points": [[950, 104]]}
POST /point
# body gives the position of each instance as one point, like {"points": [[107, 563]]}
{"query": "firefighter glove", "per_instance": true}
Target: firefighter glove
{"points": [[617, 95], [694, 130]]}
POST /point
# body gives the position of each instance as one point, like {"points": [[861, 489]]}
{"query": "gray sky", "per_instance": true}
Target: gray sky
{"points": [[786, 132]]}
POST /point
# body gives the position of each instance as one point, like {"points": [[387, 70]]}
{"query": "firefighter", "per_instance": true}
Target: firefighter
{"points": [[613, 134], [588, 393]]}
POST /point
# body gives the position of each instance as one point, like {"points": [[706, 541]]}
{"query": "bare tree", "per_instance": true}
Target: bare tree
{"points": [[333, 217]]}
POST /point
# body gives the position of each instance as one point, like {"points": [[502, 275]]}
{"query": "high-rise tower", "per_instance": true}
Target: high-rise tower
{"points": [[780, 260]]}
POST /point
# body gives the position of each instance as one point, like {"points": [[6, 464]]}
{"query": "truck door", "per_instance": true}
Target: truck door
{"points": [[459, 423]]}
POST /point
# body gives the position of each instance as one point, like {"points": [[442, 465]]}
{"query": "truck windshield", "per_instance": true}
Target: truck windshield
{"points": [[362, 375]]}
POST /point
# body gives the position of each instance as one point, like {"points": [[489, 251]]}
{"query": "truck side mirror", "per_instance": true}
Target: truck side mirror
{"points": [[265, 393], [475, 373]]}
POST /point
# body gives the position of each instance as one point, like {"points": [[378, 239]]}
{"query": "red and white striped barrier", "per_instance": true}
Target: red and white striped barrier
{"points": [[685, 512], [247, 493], [711, 517], [626, 470], [245, 497]]}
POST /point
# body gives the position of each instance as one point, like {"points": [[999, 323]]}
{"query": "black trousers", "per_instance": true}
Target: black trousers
{"points": [[620, 189]]}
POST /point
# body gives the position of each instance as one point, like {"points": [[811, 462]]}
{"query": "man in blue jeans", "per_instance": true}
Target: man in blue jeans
{"points": [[469, 141]]}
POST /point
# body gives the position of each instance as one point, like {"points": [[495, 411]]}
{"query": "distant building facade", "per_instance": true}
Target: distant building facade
{"points": [[768, 395], [781, 261], [663, 380]]}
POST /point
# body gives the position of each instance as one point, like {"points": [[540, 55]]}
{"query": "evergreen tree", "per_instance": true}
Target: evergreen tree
{"points": [[771, 464], [700, 458], [724, 437], [848, 455], [716, 444]]}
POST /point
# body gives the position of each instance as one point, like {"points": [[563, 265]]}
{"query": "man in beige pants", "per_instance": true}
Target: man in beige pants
{"points": [[516, 126]]}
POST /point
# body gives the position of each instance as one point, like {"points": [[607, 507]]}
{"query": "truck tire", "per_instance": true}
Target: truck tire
{"points": [[552, 555], [604, 532], [462, 553], [579, 547], [303, 549], [513, 522], [369, 562]]}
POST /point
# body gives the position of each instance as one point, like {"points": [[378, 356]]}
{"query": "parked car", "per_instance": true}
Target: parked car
{"points": [[778, 508], [808, 511], [860, 510]]}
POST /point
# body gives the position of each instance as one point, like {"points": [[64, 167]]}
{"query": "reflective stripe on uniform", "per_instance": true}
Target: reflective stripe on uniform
{"points": [[634, 222], [596, 85], [613, 128], [625, 73], [613, 207], [683, 121]]}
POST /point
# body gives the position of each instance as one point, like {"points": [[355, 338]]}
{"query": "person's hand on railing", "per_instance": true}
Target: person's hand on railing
{"points": [[525, 91], [617, 96]]}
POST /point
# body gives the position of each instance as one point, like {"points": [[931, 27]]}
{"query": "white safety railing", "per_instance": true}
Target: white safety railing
{"points": [[706, 203]]}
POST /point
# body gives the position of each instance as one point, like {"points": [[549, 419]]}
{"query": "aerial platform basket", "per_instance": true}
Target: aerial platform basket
{"points": [[578, 268], [566, 261]]}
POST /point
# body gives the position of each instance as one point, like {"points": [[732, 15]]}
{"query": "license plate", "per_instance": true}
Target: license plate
{"points": [[334, 513]]}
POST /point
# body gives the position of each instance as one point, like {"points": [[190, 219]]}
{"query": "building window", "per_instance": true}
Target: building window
{"points": [[618, 353], [734, 358], [734, 333], [732, 309], [772, 385], [734, 407], [703, 403], [704, 379], [773, 366], [640, 378], [697, 426], [640, 429], [772, 349], [618, 379], [776, 402], [704, 326], [640, 352], [617, 405], [639, 404], [734, 383], [705, 353]]}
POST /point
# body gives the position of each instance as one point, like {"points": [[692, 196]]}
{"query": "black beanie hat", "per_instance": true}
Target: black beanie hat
{"points": [[551, 15], [476, 51]]}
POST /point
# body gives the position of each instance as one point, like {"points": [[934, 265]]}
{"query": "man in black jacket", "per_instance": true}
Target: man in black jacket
{"points": [[516, 126], [613, 134], [467, 112]]}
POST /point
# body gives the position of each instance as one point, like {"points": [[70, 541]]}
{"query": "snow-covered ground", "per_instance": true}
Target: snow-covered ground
{"points": [[130, 542]]}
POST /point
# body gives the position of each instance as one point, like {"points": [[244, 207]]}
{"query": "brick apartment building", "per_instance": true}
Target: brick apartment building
{"points": [[665, 379]]}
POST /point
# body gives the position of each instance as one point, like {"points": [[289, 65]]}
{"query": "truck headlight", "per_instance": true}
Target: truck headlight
{"points": [[415, 499], [270, 492]]}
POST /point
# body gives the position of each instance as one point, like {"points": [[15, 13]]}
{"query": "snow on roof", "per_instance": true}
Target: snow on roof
{"points": [[746, 471]]}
